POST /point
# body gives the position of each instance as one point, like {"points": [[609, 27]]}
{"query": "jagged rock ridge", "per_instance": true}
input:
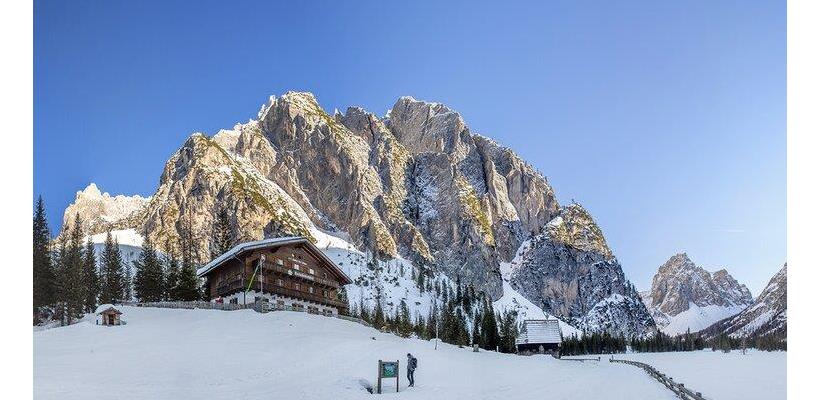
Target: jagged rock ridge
{"points": [[417, 184], [766, 316]]}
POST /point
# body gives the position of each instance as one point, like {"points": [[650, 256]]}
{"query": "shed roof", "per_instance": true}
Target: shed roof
{"points": [[271, 243], [539, 331], [107, 309]]}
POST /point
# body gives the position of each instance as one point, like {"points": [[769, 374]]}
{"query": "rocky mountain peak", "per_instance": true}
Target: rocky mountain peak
{"points": [[99, 210], [680, 284], [575, 227]]}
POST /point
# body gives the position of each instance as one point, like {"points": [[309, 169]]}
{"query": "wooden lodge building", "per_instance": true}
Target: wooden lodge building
{"points": [[294, 273], [539, 336]]}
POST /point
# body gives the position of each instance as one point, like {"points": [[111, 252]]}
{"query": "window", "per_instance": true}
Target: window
{"points": [[280, 282], [280, 302], [297, 286], [296, 266], [310, 289], [310, 270], [234, 301], [280, 262], [324, 293], [324, 275], [297, 305]]}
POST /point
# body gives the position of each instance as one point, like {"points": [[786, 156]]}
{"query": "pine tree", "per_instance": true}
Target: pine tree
{"points": [[91, 277], [223, 237], [171, 281], [378, 315], [509, 331], [112, 273], [149, 277], [71, 289], [187, 287], [43, 268], [128, 278]]}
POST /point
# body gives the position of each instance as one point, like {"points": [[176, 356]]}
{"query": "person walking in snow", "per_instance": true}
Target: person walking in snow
{"points": [[411, 367]]}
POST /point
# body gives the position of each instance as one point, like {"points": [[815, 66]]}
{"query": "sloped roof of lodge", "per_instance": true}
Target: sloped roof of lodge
{"points": [[267, 244], [536, 331]]}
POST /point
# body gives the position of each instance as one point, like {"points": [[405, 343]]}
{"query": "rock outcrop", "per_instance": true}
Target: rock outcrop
{"points": [[570, 272]]}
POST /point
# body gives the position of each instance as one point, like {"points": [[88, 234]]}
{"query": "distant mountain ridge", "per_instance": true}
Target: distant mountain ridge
{"points": [[416, 185], [685, 296], [766, 316]]}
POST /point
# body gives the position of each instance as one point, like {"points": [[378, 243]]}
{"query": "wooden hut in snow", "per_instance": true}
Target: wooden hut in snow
{"points": [[539, 336], [108, 315]]}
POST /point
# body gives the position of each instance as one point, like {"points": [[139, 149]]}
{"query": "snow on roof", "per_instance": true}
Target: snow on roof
{"points": [[105, 307], [539, 331], [266, 243], [241, 247]]}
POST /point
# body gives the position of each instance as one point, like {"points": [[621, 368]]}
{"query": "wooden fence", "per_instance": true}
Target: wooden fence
{"points": [[262, 306], [678, 388]]}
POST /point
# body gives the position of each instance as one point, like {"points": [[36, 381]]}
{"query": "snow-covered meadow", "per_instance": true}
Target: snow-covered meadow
{"points": [[722, 376], [195, 354]]}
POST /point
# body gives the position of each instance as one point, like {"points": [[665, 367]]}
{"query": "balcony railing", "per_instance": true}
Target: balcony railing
{"points": [[237, 285]]}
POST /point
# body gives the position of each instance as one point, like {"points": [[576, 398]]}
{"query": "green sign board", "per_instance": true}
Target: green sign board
{"points": [[390, 369]]}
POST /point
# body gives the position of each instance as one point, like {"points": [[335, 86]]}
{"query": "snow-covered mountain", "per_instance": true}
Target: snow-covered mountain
{"points": [[685, 296], [570, 272], [766, 316], [416, 188]]}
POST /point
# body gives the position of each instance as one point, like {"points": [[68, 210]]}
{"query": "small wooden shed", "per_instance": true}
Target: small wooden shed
{"points": [[539, 336], [108, 315]]}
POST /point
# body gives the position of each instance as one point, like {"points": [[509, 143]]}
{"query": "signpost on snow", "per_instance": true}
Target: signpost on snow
{"points": [[387, 369]]}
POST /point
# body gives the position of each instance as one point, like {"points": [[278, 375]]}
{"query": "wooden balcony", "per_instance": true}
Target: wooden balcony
{"points": [[274, 269], [236, 285]]}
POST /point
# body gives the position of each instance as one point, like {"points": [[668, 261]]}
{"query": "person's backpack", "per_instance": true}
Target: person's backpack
{"points": [[414, 362]]}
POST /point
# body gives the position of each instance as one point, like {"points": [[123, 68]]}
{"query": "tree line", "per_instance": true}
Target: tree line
{"points": [[70, 279], [460, 316]]}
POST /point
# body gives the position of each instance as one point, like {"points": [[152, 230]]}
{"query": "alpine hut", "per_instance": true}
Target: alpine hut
{"points": [[539, 336], [288, 272]]}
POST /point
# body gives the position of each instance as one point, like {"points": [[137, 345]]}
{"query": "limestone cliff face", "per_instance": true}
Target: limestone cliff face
{"points": [[98, 210], [569, 271], [416, 184]]}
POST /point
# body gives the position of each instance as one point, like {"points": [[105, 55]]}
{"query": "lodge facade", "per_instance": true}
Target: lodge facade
{"points": [[287, 272]]}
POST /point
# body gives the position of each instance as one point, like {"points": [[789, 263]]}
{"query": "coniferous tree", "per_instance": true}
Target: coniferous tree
{"points": [[112, 273], [509, 331], [171, 281], [187, 282], [149, 276], [91, 276], [128, 278], [378, 314], [43, 268], [223, 237], [71, 289]]}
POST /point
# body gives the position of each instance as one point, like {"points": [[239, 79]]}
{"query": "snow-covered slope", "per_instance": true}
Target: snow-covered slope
{"points": [[210, 354]]}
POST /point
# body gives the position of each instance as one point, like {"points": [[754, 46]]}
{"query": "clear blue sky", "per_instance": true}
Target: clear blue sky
{"points": [[665, 119]]}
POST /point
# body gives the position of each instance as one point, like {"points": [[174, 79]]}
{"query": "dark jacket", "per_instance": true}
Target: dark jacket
{"points": [[411, 363]]}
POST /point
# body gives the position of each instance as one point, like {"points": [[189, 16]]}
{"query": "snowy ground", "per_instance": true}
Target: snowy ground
{"points": [[722, 376], [196, 354]]}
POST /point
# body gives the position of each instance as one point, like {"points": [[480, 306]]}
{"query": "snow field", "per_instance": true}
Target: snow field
{"points": [[195, 354], [722, 376]]}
